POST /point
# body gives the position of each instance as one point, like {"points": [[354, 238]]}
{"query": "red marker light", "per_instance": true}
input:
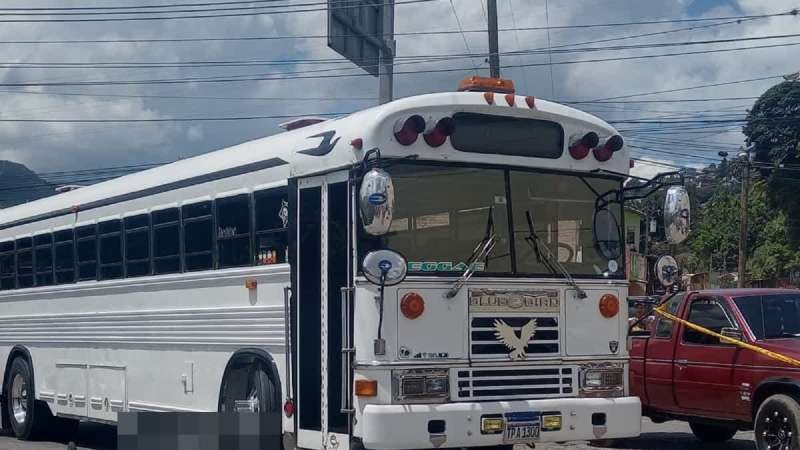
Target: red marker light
{"points": [[412, 305], [579, 149], [288, 408], [407, 129], [439, 133]]}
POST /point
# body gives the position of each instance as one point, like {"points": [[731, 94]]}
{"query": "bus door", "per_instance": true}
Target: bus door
{"points": [[323, 270]]}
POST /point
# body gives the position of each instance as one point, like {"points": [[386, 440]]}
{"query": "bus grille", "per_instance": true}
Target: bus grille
{"points": [[518, 383], [484, 343]]}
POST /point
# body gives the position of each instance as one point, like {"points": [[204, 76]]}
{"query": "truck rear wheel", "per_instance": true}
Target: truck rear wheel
{"points": [[777, 423], [712, 433]]}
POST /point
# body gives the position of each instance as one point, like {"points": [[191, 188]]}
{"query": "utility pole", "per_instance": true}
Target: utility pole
{"points": [[494, 46], [743, 219], [386, 63]]}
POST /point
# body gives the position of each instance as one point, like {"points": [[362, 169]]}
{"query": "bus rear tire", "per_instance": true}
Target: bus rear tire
{"points": [[251, 383], [27, 416]]}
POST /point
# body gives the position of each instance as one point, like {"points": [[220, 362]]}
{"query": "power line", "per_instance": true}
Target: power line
{"points": [[201, 16], [192, 97], [682, 100], [667, 91], [89, 11], [463, 36], [514, 29], [408, 58], [555, 27], [151, 6], [171, 119], [274, 76]]}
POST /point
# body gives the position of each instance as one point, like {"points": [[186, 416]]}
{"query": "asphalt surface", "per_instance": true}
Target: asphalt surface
{"points": [[667, 436]]}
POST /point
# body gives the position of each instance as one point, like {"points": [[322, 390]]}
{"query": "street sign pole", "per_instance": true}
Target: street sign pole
{"points": [[363, 32], [386, 74], [494, 47]]}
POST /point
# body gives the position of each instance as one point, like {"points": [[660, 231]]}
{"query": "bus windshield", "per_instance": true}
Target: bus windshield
{"points": [[442, 212]]}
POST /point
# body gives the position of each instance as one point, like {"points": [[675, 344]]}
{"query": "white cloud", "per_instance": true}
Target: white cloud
{"points": [[70, 146]]}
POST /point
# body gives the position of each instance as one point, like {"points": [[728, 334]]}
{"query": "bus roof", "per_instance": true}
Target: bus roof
{"points": [[326, 146]]}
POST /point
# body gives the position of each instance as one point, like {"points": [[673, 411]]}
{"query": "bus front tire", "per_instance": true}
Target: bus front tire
{"points": [[27, 416]]}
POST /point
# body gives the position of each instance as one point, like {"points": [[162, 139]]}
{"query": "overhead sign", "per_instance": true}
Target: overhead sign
{"points": [[355, 31]]}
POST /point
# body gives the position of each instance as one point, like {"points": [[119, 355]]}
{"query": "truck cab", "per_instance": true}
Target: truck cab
{"points": [[681, 373]]}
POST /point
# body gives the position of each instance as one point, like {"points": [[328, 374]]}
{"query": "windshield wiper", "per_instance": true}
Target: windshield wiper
{"points": [[545, 257], [481, 251]]}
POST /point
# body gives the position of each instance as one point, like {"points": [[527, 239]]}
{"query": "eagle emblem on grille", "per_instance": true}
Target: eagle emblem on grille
{"points": [[517, 344]]}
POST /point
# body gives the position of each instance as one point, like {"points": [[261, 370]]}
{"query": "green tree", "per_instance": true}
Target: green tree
{"points": [[716, 230], [715, 236], [773, 257], [773, 129]]}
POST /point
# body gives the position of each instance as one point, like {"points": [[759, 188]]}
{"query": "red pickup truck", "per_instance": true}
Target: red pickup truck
{"points": [[719, 388]]}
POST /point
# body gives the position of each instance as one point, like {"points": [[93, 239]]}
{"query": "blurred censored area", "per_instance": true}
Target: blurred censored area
{"points": [[198, 431]]}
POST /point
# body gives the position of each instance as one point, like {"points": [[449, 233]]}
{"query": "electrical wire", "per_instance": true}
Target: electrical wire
{"points": [[555, 27], [275, 76], [404, 59], [463, 36], [514, 29]]}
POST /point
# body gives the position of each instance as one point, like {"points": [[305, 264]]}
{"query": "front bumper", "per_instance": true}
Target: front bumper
{"points": [[389, 427]]}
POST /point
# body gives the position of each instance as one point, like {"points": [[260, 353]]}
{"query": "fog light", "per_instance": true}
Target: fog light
{"points": [[413, 386], [593, 379], [551, 423], [437, 386], [492, 425], [421, 385]]}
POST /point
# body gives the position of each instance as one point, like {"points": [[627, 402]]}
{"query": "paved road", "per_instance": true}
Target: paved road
{"points": [[668, 436]]}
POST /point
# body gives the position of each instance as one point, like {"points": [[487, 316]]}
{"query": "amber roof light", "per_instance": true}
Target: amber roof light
{"points": [[486, 84]]}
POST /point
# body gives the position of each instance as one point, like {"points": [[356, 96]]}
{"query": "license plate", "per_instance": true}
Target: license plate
{"points": [[517, 433]]}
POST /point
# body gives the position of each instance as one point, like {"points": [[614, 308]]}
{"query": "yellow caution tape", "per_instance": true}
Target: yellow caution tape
{"points": [[730, 340]]}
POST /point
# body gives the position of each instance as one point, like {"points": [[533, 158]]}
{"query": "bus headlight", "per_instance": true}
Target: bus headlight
{"points": [[420, 385], [606, 380]]}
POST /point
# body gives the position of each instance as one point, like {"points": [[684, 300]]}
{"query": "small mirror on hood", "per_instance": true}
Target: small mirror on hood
{"points": [[384, 267]]}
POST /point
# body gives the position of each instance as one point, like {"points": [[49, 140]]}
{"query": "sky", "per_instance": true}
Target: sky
{"points": [[51, 147]]}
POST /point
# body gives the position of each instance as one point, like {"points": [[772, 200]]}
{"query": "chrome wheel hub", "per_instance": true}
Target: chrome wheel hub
{"points": [[777, 432], [19, 399]]}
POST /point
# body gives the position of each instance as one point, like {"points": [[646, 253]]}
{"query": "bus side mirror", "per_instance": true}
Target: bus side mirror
{"points": [[676, 215], [376, 202]]}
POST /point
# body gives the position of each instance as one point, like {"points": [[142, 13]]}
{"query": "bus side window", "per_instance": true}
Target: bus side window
{"points": [[86, 237], [110, 238], [24, 263], [65, 256], [7, 266], [272, 216], [43, 247], [198, 236], [166, 241], [137, 245], [233, 231]]}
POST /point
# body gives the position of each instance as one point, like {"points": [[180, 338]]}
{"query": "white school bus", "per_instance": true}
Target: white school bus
{"points": [[441, 271]]}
